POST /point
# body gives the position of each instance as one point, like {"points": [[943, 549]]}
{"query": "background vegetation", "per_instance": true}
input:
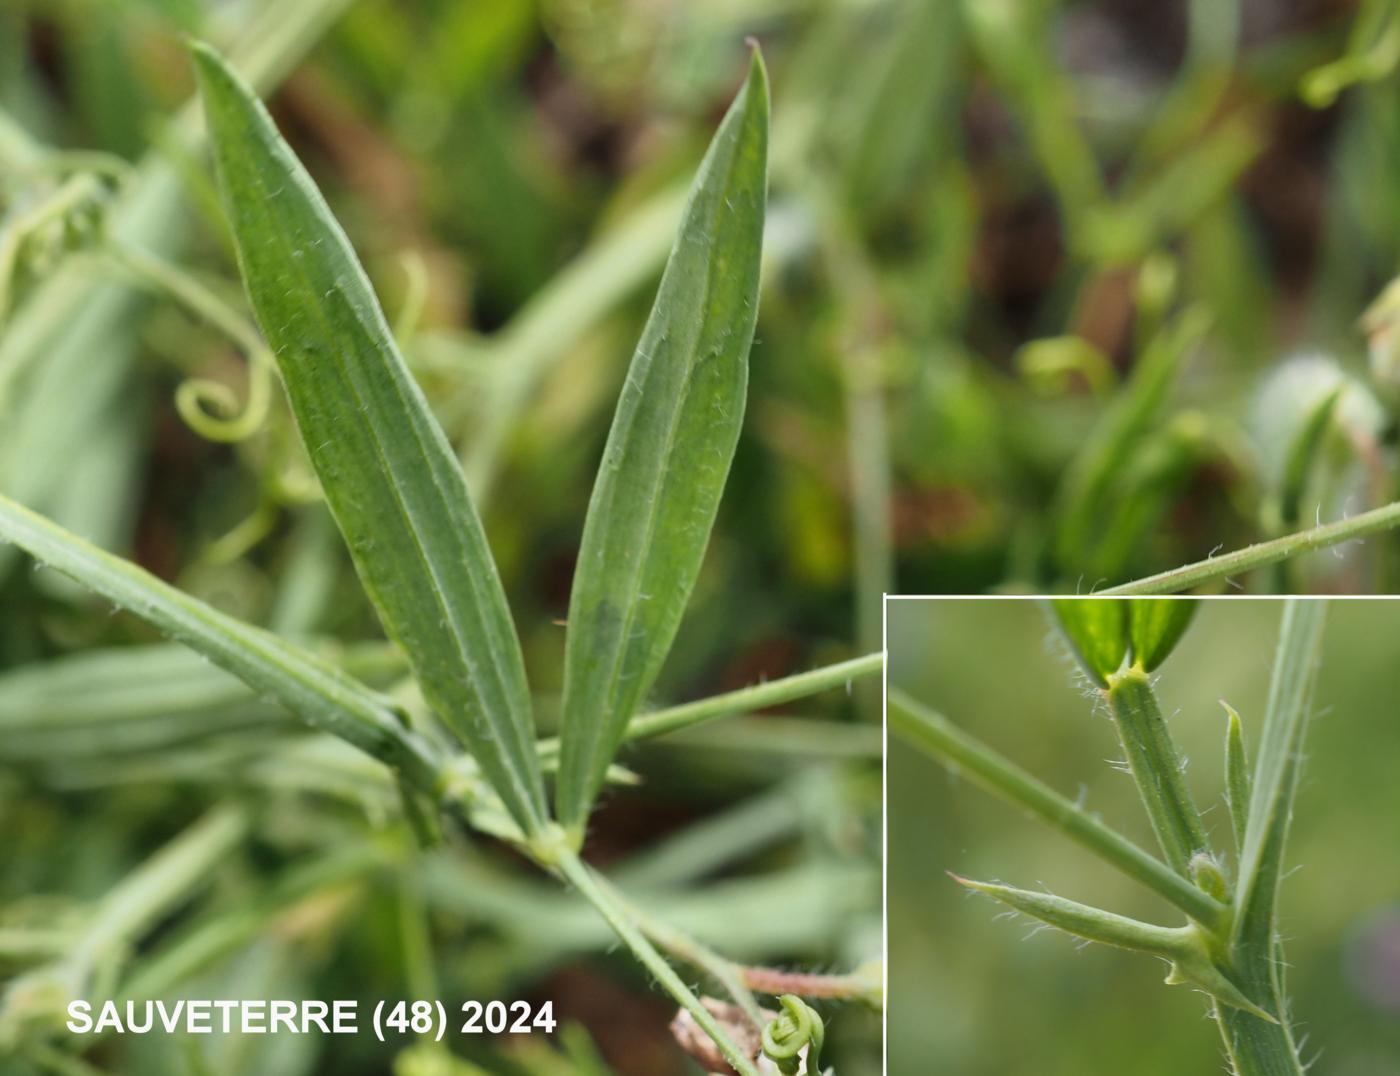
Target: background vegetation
{"points": [[1103, 182], [975, 994]]}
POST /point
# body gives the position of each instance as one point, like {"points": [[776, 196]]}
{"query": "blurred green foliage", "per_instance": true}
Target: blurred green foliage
{"points": [[1057, 294], [973, 994]]}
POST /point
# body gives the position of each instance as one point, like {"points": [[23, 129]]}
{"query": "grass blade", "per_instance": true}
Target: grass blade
{"points": [[667, 456], [390, 478], [1271, 796], [316, 692]]}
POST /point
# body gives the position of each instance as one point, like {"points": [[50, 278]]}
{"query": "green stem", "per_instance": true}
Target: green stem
{"points": [[1257, 1048], [1263, 553], [744, 700], [160, 275], [415, 938], [600, 896], [1271, 792], [683, 947], [860, 350], [939, 737], [1156, 767], [196, 397], [775, 981]]}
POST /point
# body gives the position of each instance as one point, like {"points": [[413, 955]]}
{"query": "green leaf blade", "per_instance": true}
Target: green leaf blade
{"points": [[1157, 625], [390, 478], [1097, 632], [315, 691], [668, 454]]}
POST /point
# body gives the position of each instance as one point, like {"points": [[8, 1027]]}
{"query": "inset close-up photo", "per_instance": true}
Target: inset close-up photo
{"points": [[1090, 796]]}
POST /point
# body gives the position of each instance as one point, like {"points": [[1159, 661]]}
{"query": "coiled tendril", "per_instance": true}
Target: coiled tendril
{"points": [[798, 1026]]}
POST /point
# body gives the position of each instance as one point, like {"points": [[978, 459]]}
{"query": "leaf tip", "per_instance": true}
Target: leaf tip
{"points": [[756, 84], [1204, 975], [207, 60], [213, 75], [968, 883]]}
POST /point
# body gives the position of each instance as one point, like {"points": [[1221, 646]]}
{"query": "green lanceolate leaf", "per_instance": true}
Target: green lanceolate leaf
{"points": [[667, 456], [1236, 776], [1097, 630], [1186, 947], [1156, 625], [1156, 767], [316, 692], [389, 476]]}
